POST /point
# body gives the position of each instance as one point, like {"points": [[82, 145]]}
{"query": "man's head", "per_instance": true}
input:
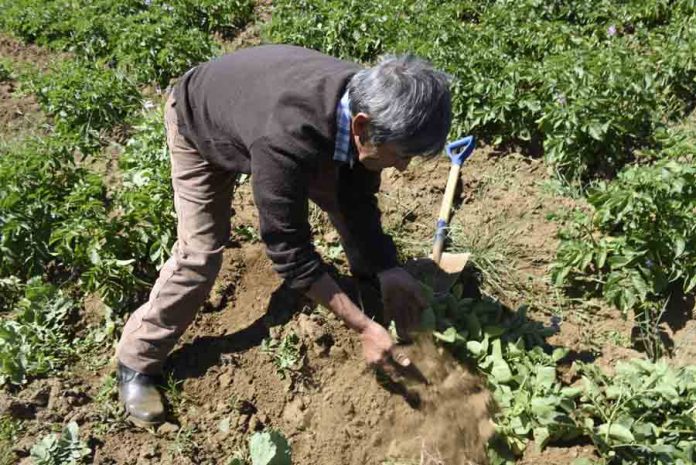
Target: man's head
{"points": [[400, 108]]}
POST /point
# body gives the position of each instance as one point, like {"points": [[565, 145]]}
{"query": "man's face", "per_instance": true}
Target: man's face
{"points": [[375, 157], [378, 157]]}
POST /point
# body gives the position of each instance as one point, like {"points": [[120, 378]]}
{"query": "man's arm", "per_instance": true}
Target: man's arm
{"points": [[401, 294], [362, 218], [279, 184], [378, 346]]}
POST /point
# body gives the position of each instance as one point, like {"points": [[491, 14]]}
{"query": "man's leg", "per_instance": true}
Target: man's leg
{"points": [[202, 197]]}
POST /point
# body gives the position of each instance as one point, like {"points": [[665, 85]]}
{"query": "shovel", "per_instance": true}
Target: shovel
{"points": [[446, 266]]}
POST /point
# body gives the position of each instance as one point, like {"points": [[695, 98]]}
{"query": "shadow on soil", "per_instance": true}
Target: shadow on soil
{"points": [[194, 359]]}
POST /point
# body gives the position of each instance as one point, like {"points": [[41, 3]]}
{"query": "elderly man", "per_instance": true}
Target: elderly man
{"points": [[306, 126]]}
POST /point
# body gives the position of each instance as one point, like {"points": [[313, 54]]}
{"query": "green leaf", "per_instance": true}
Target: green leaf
{"points": [[269, 448], [501, 371], [679, 246], [541, 437], [617, 432], [449, 336], [690, 284], [474, 347], [571, 392], [546, 377]]}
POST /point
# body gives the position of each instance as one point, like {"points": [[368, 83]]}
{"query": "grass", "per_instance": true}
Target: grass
{"points": [[184, 444], [285, 352], [9, 430], [173, 392]]}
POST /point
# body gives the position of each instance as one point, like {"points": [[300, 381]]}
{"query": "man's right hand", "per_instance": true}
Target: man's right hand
{"points": [[379, 348]]}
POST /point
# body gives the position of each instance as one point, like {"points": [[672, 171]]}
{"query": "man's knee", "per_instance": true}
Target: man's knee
{"points": [[201, 265]]}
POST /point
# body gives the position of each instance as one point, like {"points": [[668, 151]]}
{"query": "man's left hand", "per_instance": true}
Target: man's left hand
{"points": [[403, 299]]}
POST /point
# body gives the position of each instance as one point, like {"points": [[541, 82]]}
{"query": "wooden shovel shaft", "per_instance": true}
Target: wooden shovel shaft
{"points": [[443, 219]]}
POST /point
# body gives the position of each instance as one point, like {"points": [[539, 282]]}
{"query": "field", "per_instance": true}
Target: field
{"points": [[570, 338]]}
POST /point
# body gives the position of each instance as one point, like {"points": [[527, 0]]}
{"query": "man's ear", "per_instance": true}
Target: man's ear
{"points": [[359, 127]]}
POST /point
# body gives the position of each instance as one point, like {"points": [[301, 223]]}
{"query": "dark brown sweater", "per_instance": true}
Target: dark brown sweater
{"points": [[271, 111]]}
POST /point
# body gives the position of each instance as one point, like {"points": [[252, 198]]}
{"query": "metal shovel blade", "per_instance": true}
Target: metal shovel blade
{"points": [[441, 276]]}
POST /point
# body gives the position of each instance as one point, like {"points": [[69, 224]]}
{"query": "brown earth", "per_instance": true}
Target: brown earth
{"points": [[19, 111], [20, 115]]}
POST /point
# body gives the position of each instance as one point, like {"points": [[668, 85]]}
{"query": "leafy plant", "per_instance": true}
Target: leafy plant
{"points": [[637, 243], [586, 86], [269, 448], [34, 337], [36, 178], [153, 46], [85, 98], [66, 449], [222, 16], [10, 291], [644, 413], [285, 352]]}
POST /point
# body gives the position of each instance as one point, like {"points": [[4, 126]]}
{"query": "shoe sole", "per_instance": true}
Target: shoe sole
{"points": [[140, 423]]}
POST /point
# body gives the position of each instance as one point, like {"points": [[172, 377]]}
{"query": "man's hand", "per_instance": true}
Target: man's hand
{"points": [[378, 346], [403, 299], [379, 349]]}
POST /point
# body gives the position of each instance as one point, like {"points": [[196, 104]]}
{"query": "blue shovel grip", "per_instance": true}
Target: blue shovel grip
{"points": [[459, 150]]}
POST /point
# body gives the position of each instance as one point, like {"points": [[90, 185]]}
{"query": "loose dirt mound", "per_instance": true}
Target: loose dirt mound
{"points": [[333, 410], [451, 423]]}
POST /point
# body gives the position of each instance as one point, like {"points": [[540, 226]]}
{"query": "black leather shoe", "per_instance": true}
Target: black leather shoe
{"points": [[139, 395]]}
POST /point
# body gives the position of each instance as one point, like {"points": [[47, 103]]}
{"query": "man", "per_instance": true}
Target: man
{"points": [[306, 126]]}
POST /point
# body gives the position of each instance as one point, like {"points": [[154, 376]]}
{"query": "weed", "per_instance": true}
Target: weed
{"points": [[284, 352], [63, 449], [5, 73], [174, 393], [9, 432], [34, 339], [184, 444]]}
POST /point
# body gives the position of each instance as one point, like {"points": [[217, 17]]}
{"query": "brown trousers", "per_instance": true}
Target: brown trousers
{"points": [[202, 199]]}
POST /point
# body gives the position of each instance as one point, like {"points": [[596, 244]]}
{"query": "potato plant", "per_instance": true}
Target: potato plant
{"points": [[34, 336], [85, 99], [152, 41], [643, 414], [639, 239], [586, 85]]}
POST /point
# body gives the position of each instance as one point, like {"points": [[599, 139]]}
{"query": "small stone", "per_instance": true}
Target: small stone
{"points": [[224, 425], [168, 428], [225, 379]]}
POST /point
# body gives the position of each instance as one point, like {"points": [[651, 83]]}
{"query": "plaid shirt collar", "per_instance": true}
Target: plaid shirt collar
{"points": [[343, 151]]}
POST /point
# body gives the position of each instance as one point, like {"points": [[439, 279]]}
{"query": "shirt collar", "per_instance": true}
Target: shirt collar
{"points": [[343, 152]]}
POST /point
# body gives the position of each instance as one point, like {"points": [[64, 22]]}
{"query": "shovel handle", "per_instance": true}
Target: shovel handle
{"points": [[441, 231], [458, 151]]}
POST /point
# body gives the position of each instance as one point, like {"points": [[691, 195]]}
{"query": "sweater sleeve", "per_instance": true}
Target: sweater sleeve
{"points": [[280, 188], [357, 200]]}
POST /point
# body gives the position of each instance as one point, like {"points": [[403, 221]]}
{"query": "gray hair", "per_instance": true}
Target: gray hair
{"points": [[407, 101]]}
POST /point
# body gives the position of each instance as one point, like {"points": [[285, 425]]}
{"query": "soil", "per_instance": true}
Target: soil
{"points": [[19, 110]]}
